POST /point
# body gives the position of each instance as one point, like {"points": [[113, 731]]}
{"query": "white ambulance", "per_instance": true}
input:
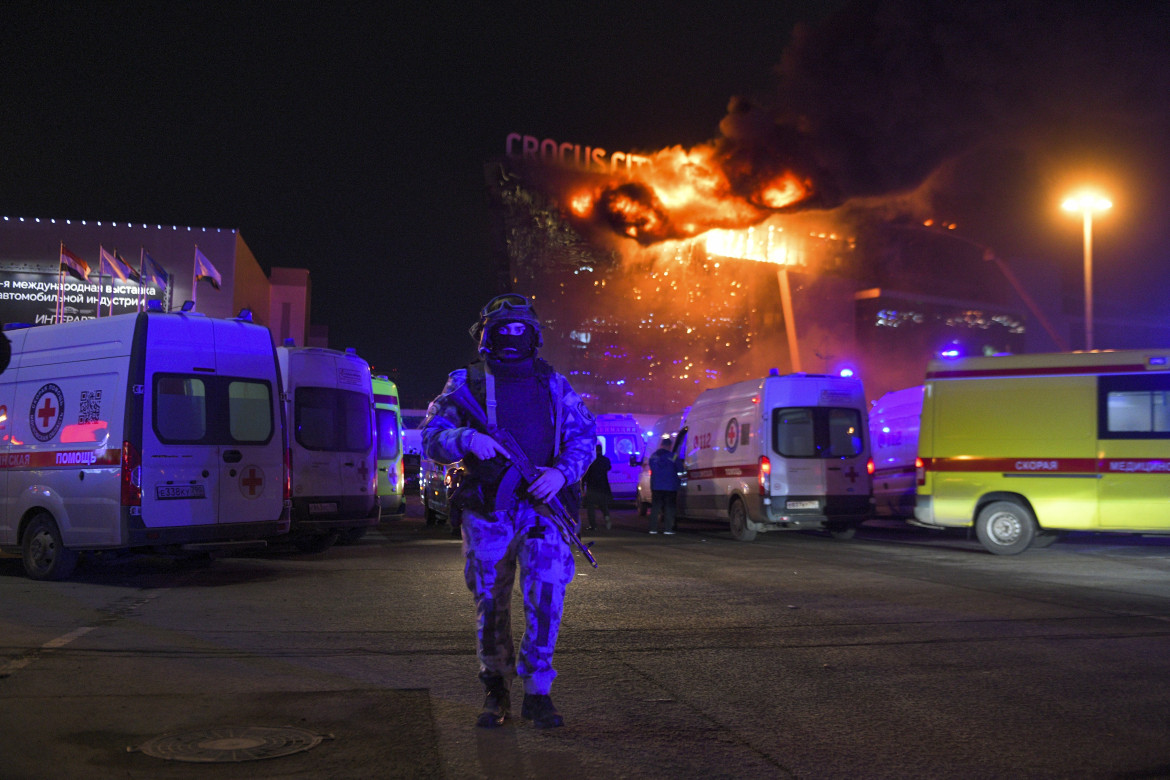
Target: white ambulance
{"points": [[782, 452], [893, 437], [620, 438], [139, 431], [1026, 447], [329, 405]]}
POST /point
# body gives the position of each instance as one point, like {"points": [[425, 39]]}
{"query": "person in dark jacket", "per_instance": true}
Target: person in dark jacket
{"points": [[664, 484], [598, 493]]}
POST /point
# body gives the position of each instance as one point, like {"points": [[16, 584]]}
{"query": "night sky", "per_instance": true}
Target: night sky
{"points": [[351, 140]]}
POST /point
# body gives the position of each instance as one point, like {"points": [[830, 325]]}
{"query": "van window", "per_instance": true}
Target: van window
{"points": [[180, 404], [249, 411], [332, 420], [844, 433], [817, 432], [387, 420], [1134, 407], [192, 409], [793, 433]]}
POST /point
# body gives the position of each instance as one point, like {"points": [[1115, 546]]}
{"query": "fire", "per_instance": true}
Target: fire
{"points": [[683, 193], [784, 191], [581, 204]]}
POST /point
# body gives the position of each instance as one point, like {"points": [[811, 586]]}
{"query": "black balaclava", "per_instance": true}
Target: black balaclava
{"points": [[508, 349]]}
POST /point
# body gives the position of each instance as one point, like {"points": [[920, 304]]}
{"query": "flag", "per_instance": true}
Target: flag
{"points": [[152, 272], [131, 274], [115, 266], [74, 265], [205, 270]]}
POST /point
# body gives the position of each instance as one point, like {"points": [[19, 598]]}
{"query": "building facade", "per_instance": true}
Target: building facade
{"points": [[33, 289]]}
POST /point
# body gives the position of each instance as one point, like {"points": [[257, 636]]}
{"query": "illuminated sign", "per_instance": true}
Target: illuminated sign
{"points": [[588, 158]]}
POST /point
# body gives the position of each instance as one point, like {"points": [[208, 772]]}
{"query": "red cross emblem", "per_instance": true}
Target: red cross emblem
{"points": [[251, 482], [364, 470], [853, 474], [47, 414]]}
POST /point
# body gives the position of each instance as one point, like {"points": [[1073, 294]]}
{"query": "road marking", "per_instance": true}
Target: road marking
{"points": [[114, 612], [52, 644]]}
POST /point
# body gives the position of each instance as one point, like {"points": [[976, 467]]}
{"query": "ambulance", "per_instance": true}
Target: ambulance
{"points": [[620, 438], [388, 432], [780, 453], [140, 432], [893, 437], [1025, 447], [333, 468]]}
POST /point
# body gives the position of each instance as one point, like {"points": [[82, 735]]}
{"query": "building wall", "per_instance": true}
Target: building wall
{"points": [[289, 305], [30, 259]]}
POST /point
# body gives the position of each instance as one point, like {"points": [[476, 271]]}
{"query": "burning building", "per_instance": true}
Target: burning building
{"points": [[658, 276]]}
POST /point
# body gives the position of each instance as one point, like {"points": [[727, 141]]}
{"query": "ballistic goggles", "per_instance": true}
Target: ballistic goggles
{"points": [[507, 301]]}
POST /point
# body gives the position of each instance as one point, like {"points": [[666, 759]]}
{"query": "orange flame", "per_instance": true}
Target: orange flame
{"points": [[683, 193]]}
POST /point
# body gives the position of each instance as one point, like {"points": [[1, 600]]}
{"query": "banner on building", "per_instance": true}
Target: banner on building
{"points": [[31, 297]]}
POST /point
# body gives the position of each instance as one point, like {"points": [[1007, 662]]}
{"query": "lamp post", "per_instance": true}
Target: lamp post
{"points": [[1086, 203]]}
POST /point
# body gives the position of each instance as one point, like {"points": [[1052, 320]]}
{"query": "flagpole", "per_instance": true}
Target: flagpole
{"points": [[57, 311], [194, 280], [101, 249]]}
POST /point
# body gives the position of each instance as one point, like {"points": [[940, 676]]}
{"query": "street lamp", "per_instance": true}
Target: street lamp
{"points": [[1086, 203]]}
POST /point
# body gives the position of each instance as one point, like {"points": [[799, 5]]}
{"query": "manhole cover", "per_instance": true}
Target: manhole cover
{"points": [[231, 743]]}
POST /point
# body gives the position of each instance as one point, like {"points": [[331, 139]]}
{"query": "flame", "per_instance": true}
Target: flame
{"points": [[784, 191], [683, 193], [581, 204]]}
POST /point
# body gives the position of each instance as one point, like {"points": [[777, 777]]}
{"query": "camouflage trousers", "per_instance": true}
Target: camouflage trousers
{"points": [[493, 546]]}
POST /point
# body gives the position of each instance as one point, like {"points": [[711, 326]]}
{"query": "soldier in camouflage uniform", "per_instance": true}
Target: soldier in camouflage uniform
{"points": [[502, 520]]}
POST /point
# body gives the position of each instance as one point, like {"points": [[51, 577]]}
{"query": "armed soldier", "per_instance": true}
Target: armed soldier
{"points": [[506, 517]]}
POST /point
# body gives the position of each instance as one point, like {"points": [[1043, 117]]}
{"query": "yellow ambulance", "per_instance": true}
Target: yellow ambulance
{"points": [[1025, 447]]}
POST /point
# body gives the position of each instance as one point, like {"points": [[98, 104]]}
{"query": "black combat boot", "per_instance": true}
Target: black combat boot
{"points": [[497, 705], [539, 708]]}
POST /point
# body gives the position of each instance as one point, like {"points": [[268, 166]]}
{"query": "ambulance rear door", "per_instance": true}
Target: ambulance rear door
{"points": [[211, 443], [1134, 451], [251, 457]]}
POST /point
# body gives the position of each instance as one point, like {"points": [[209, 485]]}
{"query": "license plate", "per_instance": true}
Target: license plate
{"points": [[166, 492], [802, 505], [320, 509]]}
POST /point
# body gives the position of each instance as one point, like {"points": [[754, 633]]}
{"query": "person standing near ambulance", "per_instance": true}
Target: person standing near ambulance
{"points": [[664, 485], [502, 521], [598, 493]]}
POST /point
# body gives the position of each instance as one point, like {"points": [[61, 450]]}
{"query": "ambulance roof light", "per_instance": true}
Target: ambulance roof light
{"points": [[245, 315], [846, 372], [773, 372], [290, 342], [350, 351], [188, 305], [154, 305]]}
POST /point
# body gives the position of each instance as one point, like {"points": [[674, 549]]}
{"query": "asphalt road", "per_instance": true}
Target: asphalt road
{"points": [[901, 653]]}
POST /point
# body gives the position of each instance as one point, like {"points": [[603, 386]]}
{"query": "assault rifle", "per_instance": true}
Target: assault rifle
{"points": [[565, 522]]}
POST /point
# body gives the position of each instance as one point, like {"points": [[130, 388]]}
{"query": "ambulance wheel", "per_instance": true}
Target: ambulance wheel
{"points": [[351, 535], [45, 556], [315, 544], [740, 530], [1005, 528]]}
